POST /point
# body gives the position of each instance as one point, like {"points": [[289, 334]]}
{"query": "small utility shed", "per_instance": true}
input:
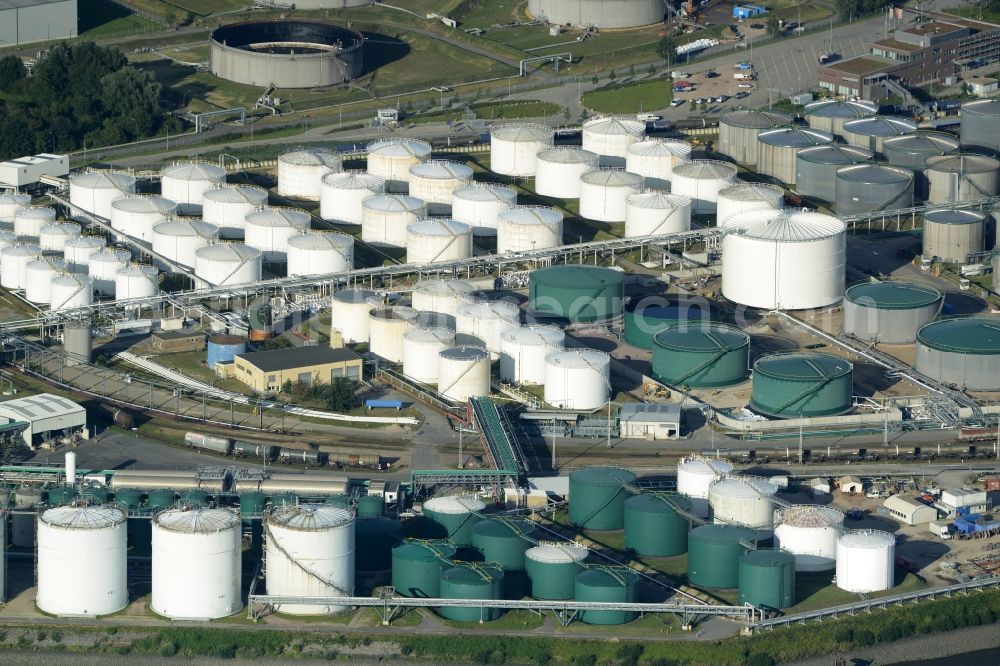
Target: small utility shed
{"points": [[48, 416], [850, 484], [650, 420], [908, 510]]}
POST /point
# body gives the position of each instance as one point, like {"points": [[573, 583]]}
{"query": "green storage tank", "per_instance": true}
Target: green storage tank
{"points": [[60, 495], [552, 567], [802, 384], [251, 505], [577, 293], [343, 501], [374, 540], [417, 565], [160, 499], [284, 499], [701, 355], [94, 494], [714, 553], [454, 517], [644, 321], [503, 541], [137, 528], [653, 526], [370, 506], [471, 581], [197, 498], [597, 497], [767, 578], [610, 585], [129, 499]]}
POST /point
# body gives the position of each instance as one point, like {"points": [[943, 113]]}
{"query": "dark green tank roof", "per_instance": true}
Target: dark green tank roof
{"points": [[970, 335], [701, 337], [603, 476], [723, 534], [578, 276], [769, 558], [805, 366], [658, 502], [893, 295]]}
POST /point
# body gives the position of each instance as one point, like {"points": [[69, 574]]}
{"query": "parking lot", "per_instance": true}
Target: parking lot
{"points": [[704, 85]]}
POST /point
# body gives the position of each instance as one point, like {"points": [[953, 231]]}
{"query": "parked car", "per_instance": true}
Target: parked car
{"points": [[745, 85], [711, 75], [721, 98], [676, 102], [741, 94]]}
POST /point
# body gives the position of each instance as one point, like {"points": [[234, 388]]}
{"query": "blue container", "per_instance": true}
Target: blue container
{"points": [[224, 348]]}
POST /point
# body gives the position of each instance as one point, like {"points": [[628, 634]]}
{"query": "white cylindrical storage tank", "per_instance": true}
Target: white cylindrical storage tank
{"points": [[603, 193], [702, 180], [136, 215], [441, 296], [523, 351], [785, 259], [525, 228], [655, 159], [71, 290], [53, 236], [103, 268], [866, 561], [349, 312], [434, 240], [11, 203], [94, 536], [955, 178], [744, 501], [695, 475], [386, 328], [656, 213], [228, 263], [197, 563], [480, 324], [577, 379], [179, 240], [558, 171], [513, 147], [136, 281], [14, 260], [77, 251], [29, 221], [301, 170], [746, 197], [479, 204], [610, 138], [384, 218], [435, 182], [463, 373], [227, 207], [309, 553], [810, 533], [94, 191], [317, 253], [38, 276], [7, 237], [187, 182], [392, 158], [269, 229], [341, 195], [421, 347]]}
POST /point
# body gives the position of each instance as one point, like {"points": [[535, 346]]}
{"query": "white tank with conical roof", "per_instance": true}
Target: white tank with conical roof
{"points": [[14, 260], [610, 137], [342, 194], [29, 221], [526, 228], [136, 215], [103, 268], [603, 193], [94, 191], [136, 281], [384, 218], [349, 310], [558, 171], [656, 213], [463, 373], [38, 278], [577, 379], [392, 158], [655, 159], [701, 181], [71, 290], [319, 253], [53, 236], [435, 182], [228, 263], [695, 475], [269, 229], [433, 240], [187, 182], [523, 350], [300, 171], [479, 204], [227, 207], [746, 197], [514, 147]]}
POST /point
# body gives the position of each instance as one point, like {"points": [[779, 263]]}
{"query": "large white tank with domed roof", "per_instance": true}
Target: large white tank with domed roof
{"points": [[301, 170]]}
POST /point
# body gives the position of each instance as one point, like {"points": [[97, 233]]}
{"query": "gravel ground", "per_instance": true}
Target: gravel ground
{"points": [[925, 649]]}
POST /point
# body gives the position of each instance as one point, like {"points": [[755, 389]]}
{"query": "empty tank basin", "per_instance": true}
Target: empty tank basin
{"points": [[454, 516], [608, 585], [471, 581], [597, 497], [963, 351], [552, 567], [714, 553], [577, 293], [417, 566], [502, 541], [889, 312], [802, 384], [767, 579], [643, 321], [654, 525], [701, 354]]}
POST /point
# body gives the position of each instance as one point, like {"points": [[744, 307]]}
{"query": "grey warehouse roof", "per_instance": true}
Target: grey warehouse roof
{"points": [[44, 405], [297, 357], [651, 412]]}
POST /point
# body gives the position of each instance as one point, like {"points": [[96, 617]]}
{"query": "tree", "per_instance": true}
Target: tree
{"points": [[341, 394], [773, 26], [12, 70]]}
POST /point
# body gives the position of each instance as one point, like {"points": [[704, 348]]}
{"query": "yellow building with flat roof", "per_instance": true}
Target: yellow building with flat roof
{"points": [[269, 370]]}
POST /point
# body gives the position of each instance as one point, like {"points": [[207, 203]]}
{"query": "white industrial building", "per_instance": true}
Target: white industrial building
{"points": [[908, 510], [28, 170], [972, 500], [850, 484], [650, 421], [48, 416], [27, 21]]}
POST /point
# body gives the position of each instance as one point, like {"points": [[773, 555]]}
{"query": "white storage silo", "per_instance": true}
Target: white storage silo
{"points": [[442, 296], [14, 260], [77, 251], [227, 207], [197, 563], [702, 180], [463, 373], [810, 533], [481, 323], [610, 138], [526, 228], [228, 263], [866, 561], [655, 159], [695, 475], [349, 313], [384, 218], [513, 147], [178, 240], [421, 347], [523, 351], [656, 213], [38, 276], [103, 268], [71, 290], [745, 197], [743, 500], [300, 171], [341, 195], [392, 158], [269, 229], [309, 553], [91, 535], [558, 171], [29, 221], [187, 182], [784, 259], [53, 236], [433, 240], [10, 203], [136, 215], [317, 253], [479, 204], [93, 191], [577, 379], [7, 237], [603, 193], [386, 328], [435, 182], [136, 281]]}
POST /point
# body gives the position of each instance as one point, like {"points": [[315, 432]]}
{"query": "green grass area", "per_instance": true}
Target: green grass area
{"points": [[484, 13], [976, 12], [814, 591], [509, 621], [99, 18], [203, 7], [490, 111], [630, 98], [795, 10]]}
